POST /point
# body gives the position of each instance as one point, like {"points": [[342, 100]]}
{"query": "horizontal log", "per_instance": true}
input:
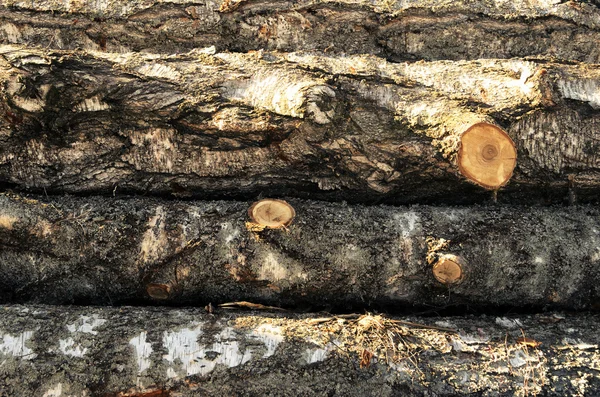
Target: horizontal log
{"points": [[79, 351], [109, 251], [432, 29], [359, 128]]}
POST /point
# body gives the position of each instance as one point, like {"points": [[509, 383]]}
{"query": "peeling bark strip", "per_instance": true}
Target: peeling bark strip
{"points": [[103, 250], [432, 29], [108, 351], [357, 128]]}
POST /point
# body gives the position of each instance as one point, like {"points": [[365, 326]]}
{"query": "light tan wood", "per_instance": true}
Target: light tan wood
{"points": [[448, 270], [273, 214], [158, 291], [487, 155]]}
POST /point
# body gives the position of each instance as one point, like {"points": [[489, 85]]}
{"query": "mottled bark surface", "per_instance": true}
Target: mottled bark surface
{"points": [[61, 351], [356, 128], [354, 100], [329, 114], [405, 30], [104, 250]]}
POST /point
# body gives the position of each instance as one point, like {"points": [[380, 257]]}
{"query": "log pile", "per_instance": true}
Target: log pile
{"points": [[381, 183]]}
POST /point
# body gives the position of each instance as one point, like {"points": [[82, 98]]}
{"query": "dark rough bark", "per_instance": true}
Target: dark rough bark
{"points": [[104, 250], [74, 351], [356, 128], [432, 29]]}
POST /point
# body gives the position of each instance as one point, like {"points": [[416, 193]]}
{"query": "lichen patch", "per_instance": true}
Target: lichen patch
{"points": [[69, 348], [155, 238], [410, 223], [86, 324], [54, 391], [271, 269], [10, 33], [7, 221]]}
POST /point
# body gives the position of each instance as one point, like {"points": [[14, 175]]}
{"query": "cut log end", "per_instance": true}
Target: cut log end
{"points": [[270, 213], [158, 291], [487, 155], [448, 270]]}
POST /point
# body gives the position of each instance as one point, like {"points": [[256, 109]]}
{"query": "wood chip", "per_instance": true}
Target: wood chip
{"points": [[159, 291], [365, 359]]}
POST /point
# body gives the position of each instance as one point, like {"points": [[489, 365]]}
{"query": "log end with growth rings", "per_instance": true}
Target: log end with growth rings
{"points": [[487, 155], [448, 270], [272, 214]]}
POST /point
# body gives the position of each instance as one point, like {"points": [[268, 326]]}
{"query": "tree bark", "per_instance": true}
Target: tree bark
{"points": [[369, 102], [404, 30], [74, 351], [356, 128], [103, 250], [321, 99]]}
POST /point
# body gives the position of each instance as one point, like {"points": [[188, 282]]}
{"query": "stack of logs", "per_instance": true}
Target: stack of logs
{"points": [[316, 197]]}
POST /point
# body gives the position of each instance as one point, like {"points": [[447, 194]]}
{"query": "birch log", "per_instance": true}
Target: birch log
{"points": [[210, 125], [109, 251], [75, 351]]}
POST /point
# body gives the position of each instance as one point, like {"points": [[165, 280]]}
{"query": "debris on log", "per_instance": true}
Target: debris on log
{"points": [[110, 112], [152, 351]]}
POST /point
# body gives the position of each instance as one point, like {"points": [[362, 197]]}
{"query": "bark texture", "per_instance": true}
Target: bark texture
{"points": [[364, 101], [103, 250], [73, 351], [208, 124], [405, 30]]}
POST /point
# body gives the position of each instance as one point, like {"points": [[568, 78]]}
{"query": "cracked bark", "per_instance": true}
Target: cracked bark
{"points": [[320, 99], [59, 351], [358, 128], [110, 251], [401, 30]]}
